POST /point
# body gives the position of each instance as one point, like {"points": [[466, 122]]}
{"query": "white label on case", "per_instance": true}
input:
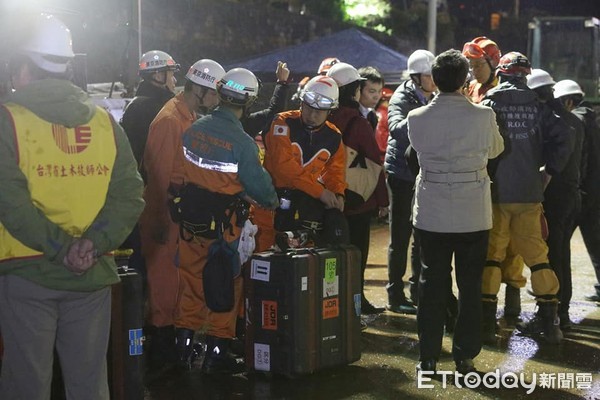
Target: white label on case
{"points": [[304, 283], [262, 357], [331, 288], [261, 270]]}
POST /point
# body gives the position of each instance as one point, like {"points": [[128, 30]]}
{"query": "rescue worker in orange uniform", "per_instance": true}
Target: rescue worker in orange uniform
{"points": [[305, 152], [218, 159], [159, 234], [484, 55]]}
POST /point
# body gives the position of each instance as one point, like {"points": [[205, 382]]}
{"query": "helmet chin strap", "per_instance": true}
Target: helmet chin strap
{"points": [[201, 108], [246, 108], [417, 78], [492, 72], [163, 82]]}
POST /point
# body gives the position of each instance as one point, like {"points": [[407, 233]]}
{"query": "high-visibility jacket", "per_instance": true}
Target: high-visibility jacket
{"points": [[76, 158]]}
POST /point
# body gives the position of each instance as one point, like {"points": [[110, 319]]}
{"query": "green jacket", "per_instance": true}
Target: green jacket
{"points": [[58, 101], [219, 138]]}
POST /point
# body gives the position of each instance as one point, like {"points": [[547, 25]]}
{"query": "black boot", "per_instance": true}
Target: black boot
{"points": [[162, 351], [512, 304], [545, 321], [414, 292], [237, 346], [488, 321], [218, 360], [184, 343], [551, 323], [367, 308]]}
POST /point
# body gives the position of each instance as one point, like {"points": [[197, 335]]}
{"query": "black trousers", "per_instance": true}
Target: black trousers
{"points": [[561, 207], [360, 236], [437, 249], [589, 225], [401, 196]]}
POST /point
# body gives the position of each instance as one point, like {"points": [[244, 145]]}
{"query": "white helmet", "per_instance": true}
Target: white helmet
{"points": [[344, 74], [420, 62], [238, 87], [206, 73], [539, 78], [156, 61], [567, 87], [49, 46], [321, 92]]}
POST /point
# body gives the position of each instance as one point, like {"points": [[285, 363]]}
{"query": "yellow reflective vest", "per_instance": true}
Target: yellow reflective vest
{"points": [[68, 171]]}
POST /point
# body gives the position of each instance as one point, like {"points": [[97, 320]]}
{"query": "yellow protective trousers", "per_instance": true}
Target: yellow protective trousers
{"points": [[519, 224], [512, 268]]}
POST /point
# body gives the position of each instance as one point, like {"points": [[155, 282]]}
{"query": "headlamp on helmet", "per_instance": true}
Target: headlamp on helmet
{"points": [[514, 64]]}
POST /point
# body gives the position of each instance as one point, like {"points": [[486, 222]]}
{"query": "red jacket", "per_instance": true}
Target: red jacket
{"points": [[382, 132], [358, 134]]}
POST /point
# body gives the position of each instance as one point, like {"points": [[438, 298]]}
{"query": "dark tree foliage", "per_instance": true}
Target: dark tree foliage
{"points": [[333, 9]]}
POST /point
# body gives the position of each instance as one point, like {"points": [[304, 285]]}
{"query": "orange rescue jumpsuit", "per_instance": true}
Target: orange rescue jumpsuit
{"points": [[159, 234], [217, 155]]}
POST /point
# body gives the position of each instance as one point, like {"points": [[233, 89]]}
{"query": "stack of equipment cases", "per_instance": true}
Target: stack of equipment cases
{"points": [[303, 310], [125, 364]]}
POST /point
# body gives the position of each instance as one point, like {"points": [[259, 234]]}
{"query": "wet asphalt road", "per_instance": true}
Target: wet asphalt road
{"points": [[386, 370]]}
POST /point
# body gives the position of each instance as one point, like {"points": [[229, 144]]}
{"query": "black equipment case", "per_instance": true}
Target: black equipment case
{"points": [[303, 310]]}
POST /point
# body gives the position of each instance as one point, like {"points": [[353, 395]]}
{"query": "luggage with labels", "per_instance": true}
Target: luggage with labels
{"points": [[303, 310]]}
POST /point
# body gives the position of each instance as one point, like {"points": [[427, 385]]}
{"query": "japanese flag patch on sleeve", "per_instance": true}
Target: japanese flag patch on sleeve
{"points": [[280, 130]]}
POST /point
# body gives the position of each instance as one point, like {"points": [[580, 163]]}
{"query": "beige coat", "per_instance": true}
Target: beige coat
{"points": [[454, 139]]}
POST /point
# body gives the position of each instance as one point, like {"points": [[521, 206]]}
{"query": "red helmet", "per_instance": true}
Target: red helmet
{"points": [[326, 64], [482, 47], [514, 64]]}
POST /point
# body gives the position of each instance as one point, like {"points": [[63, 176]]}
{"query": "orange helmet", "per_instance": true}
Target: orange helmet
{"points": [[482, 47], [326, 64]]}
